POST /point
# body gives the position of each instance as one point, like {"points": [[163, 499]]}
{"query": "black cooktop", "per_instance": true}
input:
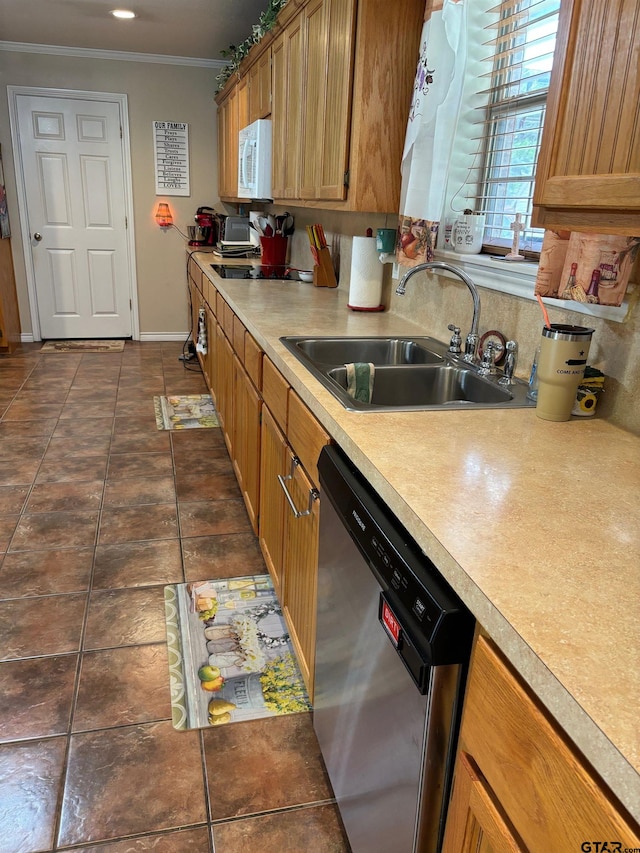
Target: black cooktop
{"points": [[249, 271]]}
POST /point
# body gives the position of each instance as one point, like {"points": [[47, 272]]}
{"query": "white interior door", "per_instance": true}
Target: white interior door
{"points": [[73, 172]]}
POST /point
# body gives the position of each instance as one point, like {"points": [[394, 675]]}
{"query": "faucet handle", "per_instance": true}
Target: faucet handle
{"points": [[455, 344], [471, 348], [488, 363], [509, 364]]}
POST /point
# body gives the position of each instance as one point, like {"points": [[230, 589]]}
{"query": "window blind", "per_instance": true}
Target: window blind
{"points": [[521, 43]]}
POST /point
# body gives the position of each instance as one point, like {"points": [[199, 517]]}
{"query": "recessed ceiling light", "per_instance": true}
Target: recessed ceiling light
{"points": [[123, 13]]}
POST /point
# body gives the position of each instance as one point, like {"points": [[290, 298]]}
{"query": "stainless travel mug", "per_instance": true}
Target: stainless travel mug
{"points": [[563, 358]]}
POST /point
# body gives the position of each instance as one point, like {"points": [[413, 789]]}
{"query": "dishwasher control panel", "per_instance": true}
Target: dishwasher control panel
{"points": [[416, 659]]}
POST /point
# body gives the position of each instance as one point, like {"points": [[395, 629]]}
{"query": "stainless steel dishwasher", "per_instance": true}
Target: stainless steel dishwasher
{"points": [[392, 649]]}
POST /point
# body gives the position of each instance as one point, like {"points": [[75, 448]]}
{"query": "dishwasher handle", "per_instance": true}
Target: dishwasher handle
{"points": [[313, 493], [417, 662]]}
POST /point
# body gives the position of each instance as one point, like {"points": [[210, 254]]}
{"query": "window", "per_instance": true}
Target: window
{"points": [[522, 49]]}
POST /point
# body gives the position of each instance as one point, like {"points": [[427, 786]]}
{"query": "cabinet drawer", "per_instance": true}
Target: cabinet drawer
{"points": [[210, 294], [227, 321], [542, 783], [220, 303], [275, 390], [306, 435], [238, 337], [253, 360], [193, 269]]}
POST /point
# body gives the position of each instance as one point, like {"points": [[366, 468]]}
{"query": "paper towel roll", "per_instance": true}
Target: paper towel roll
{"points": [[365, 286], [254, 236]]}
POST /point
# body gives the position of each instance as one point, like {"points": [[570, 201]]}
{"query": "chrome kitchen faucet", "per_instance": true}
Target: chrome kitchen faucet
{"points": [[471, 343]]}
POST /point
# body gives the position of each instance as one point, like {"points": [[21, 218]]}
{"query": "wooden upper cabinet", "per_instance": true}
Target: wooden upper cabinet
{"points": [[228, 128], [342, 77], [286, 109], [260, 87], [588, 174], [242, 94], [330, 36]]}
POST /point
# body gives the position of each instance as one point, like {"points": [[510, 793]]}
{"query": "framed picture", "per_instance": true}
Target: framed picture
{"points": [[5, 229]]}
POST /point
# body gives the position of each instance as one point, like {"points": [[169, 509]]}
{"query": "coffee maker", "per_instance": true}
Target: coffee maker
{"points": [[205, 231]]}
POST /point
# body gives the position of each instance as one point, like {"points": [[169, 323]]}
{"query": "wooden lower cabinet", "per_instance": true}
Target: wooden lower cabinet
{"points": [[475, 823], [247, 407], [300, 568], [225, 381], [289, 527], [274, 453], [519, 783]]}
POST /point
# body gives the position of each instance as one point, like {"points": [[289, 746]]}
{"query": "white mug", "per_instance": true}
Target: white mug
{"points": [[468, 233]]}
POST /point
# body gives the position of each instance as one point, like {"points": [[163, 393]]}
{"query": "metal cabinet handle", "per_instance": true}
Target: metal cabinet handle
{"points": [[313, 493], [37, 237]]}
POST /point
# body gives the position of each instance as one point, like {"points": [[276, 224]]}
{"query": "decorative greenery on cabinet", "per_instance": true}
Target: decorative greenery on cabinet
{"points": [[236, 53]]}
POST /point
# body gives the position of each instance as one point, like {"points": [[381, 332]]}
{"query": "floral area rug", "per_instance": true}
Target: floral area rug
{"points": [[190, 411], [82, 346], [230, 656]]}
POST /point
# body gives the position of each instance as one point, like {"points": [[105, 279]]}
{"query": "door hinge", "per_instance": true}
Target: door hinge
{"points": [[120, 131], [347, 175], [130, 305], [126, 223]]}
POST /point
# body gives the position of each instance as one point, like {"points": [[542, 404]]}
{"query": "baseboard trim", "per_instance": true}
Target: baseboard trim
{"points": [[27, 338], [163, 336]]}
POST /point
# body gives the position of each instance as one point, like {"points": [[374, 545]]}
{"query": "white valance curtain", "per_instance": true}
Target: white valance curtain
{"points": [[433, 120]]}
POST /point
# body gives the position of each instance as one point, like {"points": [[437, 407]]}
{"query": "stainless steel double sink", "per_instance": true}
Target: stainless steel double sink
{"points": [[411, 373]]}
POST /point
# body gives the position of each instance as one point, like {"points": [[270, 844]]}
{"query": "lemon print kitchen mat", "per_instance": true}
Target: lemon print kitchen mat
{"points": [[230, 656], [187, 411]]}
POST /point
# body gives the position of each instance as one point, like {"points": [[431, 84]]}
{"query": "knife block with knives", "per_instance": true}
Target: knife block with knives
{"points": [[323, 272]]}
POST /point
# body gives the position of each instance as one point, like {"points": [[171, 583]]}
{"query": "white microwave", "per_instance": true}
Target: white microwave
{"points": [[254, 160]]}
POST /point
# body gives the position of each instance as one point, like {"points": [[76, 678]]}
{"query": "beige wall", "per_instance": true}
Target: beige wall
{"points": [[155, 92]]}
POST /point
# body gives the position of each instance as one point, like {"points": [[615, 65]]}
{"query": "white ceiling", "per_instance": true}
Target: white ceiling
{"points": [[190, 28]]}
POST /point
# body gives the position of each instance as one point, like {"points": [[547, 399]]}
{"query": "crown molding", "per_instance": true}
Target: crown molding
{"points": [[118, 55]]}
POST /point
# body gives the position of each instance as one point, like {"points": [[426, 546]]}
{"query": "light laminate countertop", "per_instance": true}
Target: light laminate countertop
{"points": [[535, 524]]}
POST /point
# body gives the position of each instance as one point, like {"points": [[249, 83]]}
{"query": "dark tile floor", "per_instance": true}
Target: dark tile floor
{"points": [[98, 510]]}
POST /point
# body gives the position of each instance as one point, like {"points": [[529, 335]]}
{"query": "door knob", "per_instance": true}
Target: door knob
{"points": [[37, 236]]}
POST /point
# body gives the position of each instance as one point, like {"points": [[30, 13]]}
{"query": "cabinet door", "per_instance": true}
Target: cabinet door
{"points": [[242, 95], [195, 305], [316, 38], [300, 573], [333, 166], [224, 365], [279, 116], [228, 128], [330, 33], [260, 87], [286, 109], [222, 147], [475, 823], [538, 780], [209, 358], [273, 463], [214, 367], [247, 405], [589, 165]]}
